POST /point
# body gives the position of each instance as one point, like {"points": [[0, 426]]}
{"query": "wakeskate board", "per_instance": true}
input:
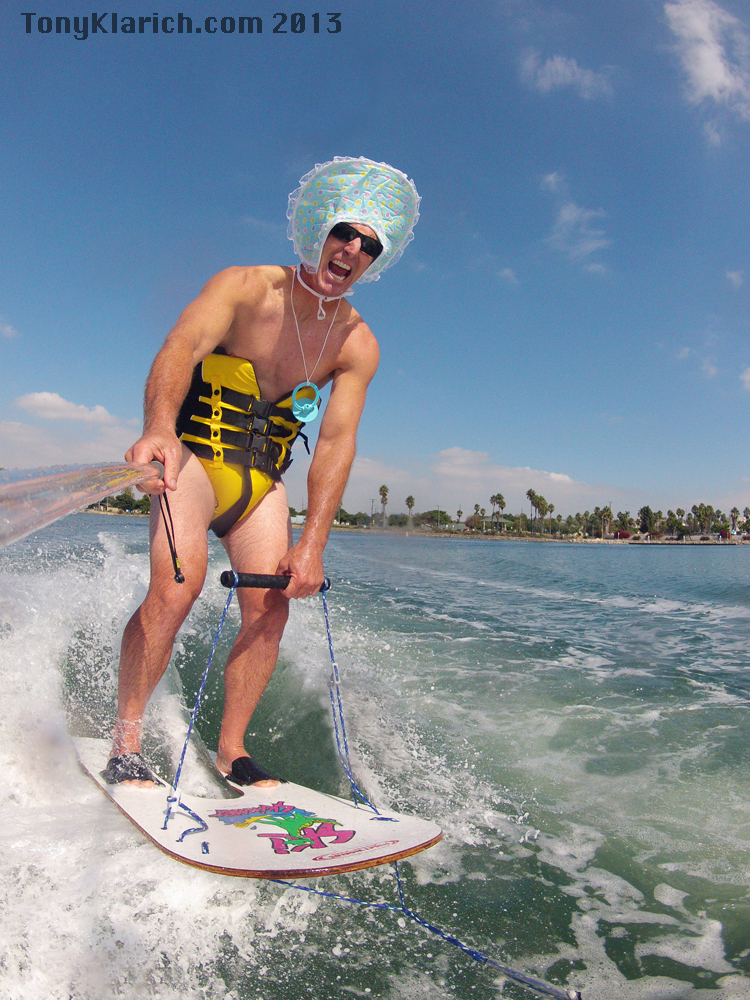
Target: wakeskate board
{"points": [[287, 831]]}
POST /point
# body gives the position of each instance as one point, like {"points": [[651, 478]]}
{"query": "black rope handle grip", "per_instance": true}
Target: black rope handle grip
{"points": [[264, 581]]}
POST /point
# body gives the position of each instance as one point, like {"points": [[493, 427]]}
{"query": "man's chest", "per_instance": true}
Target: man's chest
{"points": [[281, 359]]}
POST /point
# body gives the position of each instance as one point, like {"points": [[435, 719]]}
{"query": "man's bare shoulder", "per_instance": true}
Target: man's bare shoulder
{"points": [[248, 284], [360, 349]]}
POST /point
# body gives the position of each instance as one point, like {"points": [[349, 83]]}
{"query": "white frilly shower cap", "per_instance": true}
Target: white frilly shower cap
{"points": [[351, 189]]}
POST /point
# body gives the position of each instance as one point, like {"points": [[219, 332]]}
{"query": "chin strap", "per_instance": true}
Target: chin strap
{"points": [[321, 298]]}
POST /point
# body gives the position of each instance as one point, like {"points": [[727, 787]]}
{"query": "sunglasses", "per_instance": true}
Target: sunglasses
{"points": [[346, 233]]}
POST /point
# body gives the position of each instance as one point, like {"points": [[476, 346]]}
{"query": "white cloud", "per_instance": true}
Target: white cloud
{"points": [[715, 53], [745, 378], [735, 278], [575, 232], [371, 471], [264, 226], [509, 275], [72, 434], [475, 465], [366, 478], [563, 71], [467, 477], [24, 446], [713, 133], [457, 478], [6, 330], [453, 479], [707, 364], [51, 406]]}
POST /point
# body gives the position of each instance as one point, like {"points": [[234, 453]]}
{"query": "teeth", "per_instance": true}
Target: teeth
{"points": [[342, 264]]}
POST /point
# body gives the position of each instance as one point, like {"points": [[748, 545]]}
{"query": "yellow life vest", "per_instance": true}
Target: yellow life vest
{"points": [[242, 441]]}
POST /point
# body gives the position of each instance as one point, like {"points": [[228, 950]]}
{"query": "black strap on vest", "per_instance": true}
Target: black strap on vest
{"points": [[253, 437]]}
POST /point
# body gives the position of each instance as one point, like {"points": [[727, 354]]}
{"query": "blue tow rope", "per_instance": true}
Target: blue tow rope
{"points": [[339, 726], [337, 709], [174, 798]]}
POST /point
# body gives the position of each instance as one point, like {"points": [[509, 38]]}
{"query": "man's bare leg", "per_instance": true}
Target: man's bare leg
{"points": [[150, 633], [256, 545]]}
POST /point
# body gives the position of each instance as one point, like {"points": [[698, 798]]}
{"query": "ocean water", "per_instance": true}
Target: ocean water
{"points": [[574, 716]]}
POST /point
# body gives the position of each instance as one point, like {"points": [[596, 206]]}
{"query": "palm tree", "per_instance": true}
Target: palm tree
{"points": [[501, 504], [384, 500], [550, 509], [680, 520], [710, 515], [409, 504], [531, 496], [459, 515], [542, 507], [734, 513], [498, 500]]}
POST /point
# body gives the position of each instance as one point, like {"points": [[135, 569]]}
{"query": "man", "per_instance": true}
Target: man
{"points": [[256, 335]]}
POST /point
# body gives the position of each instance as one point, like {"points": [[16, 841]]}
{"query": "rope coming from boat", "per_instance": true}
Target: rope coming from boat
{"points": [[339, 725], [530, 982], [174, 798], [337, 709], [232, 580]]}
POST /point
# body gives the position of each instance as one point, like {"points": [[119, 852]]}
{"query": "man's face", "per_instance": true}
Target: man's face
{"points": [[342, 263]]}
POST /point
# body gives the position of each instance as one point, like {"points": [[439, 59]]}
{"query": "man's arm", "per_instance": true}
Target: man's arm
{"points": [[331, 464], [201, 327]]}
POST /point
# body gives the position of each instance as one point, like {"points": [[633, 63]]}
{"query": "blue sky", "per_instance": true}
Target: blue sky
{"points": [[572, 315]]}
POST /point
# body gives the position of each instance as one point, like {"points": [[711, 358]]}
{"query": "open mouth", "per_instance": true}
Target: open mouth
{"points": [[339, 270]]}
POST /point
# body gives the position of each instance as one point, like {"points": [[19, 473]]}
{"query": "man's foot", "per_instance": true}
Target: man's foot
{"points": [[130, 768], [246, 772]]}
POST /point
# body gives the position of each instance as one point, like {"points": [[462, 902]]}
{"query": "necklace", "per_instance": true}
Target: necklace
{"points": [[304, 408]]}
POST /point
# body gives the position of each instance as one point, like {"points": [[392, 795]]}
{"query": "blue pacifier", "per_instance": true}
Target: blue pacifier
{"points": [[304, 408]]}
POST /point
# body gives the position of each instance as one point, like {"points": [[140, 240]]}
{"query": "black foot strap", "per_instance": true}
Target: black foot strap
{"points": [[129, 767], [246, 772]]}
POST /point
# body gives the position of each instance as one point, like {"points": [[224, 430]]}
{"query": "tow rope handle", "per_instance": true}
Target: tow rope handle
{"points": [[264, 581]]}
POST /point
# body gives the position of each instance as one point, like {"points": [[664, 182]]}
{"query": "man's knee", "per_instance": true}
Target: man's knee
{"points": [[275, 610], [265, 612], [172, 601]]}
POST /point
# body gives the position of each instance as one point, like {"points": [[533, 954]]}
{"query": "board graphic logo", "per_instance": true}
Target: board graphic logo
{"points": [[301, 829]]}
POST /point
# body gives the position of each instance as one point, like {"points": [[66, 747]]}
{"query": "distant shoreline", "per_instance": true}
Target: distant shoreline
{"points": [[508, 537], [112, 513], [478, 536]]}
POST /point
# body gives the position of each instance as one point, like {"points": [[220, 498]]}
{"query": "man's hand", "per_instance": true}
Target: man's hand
{"points": [[163, 446], [304, 564]]}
